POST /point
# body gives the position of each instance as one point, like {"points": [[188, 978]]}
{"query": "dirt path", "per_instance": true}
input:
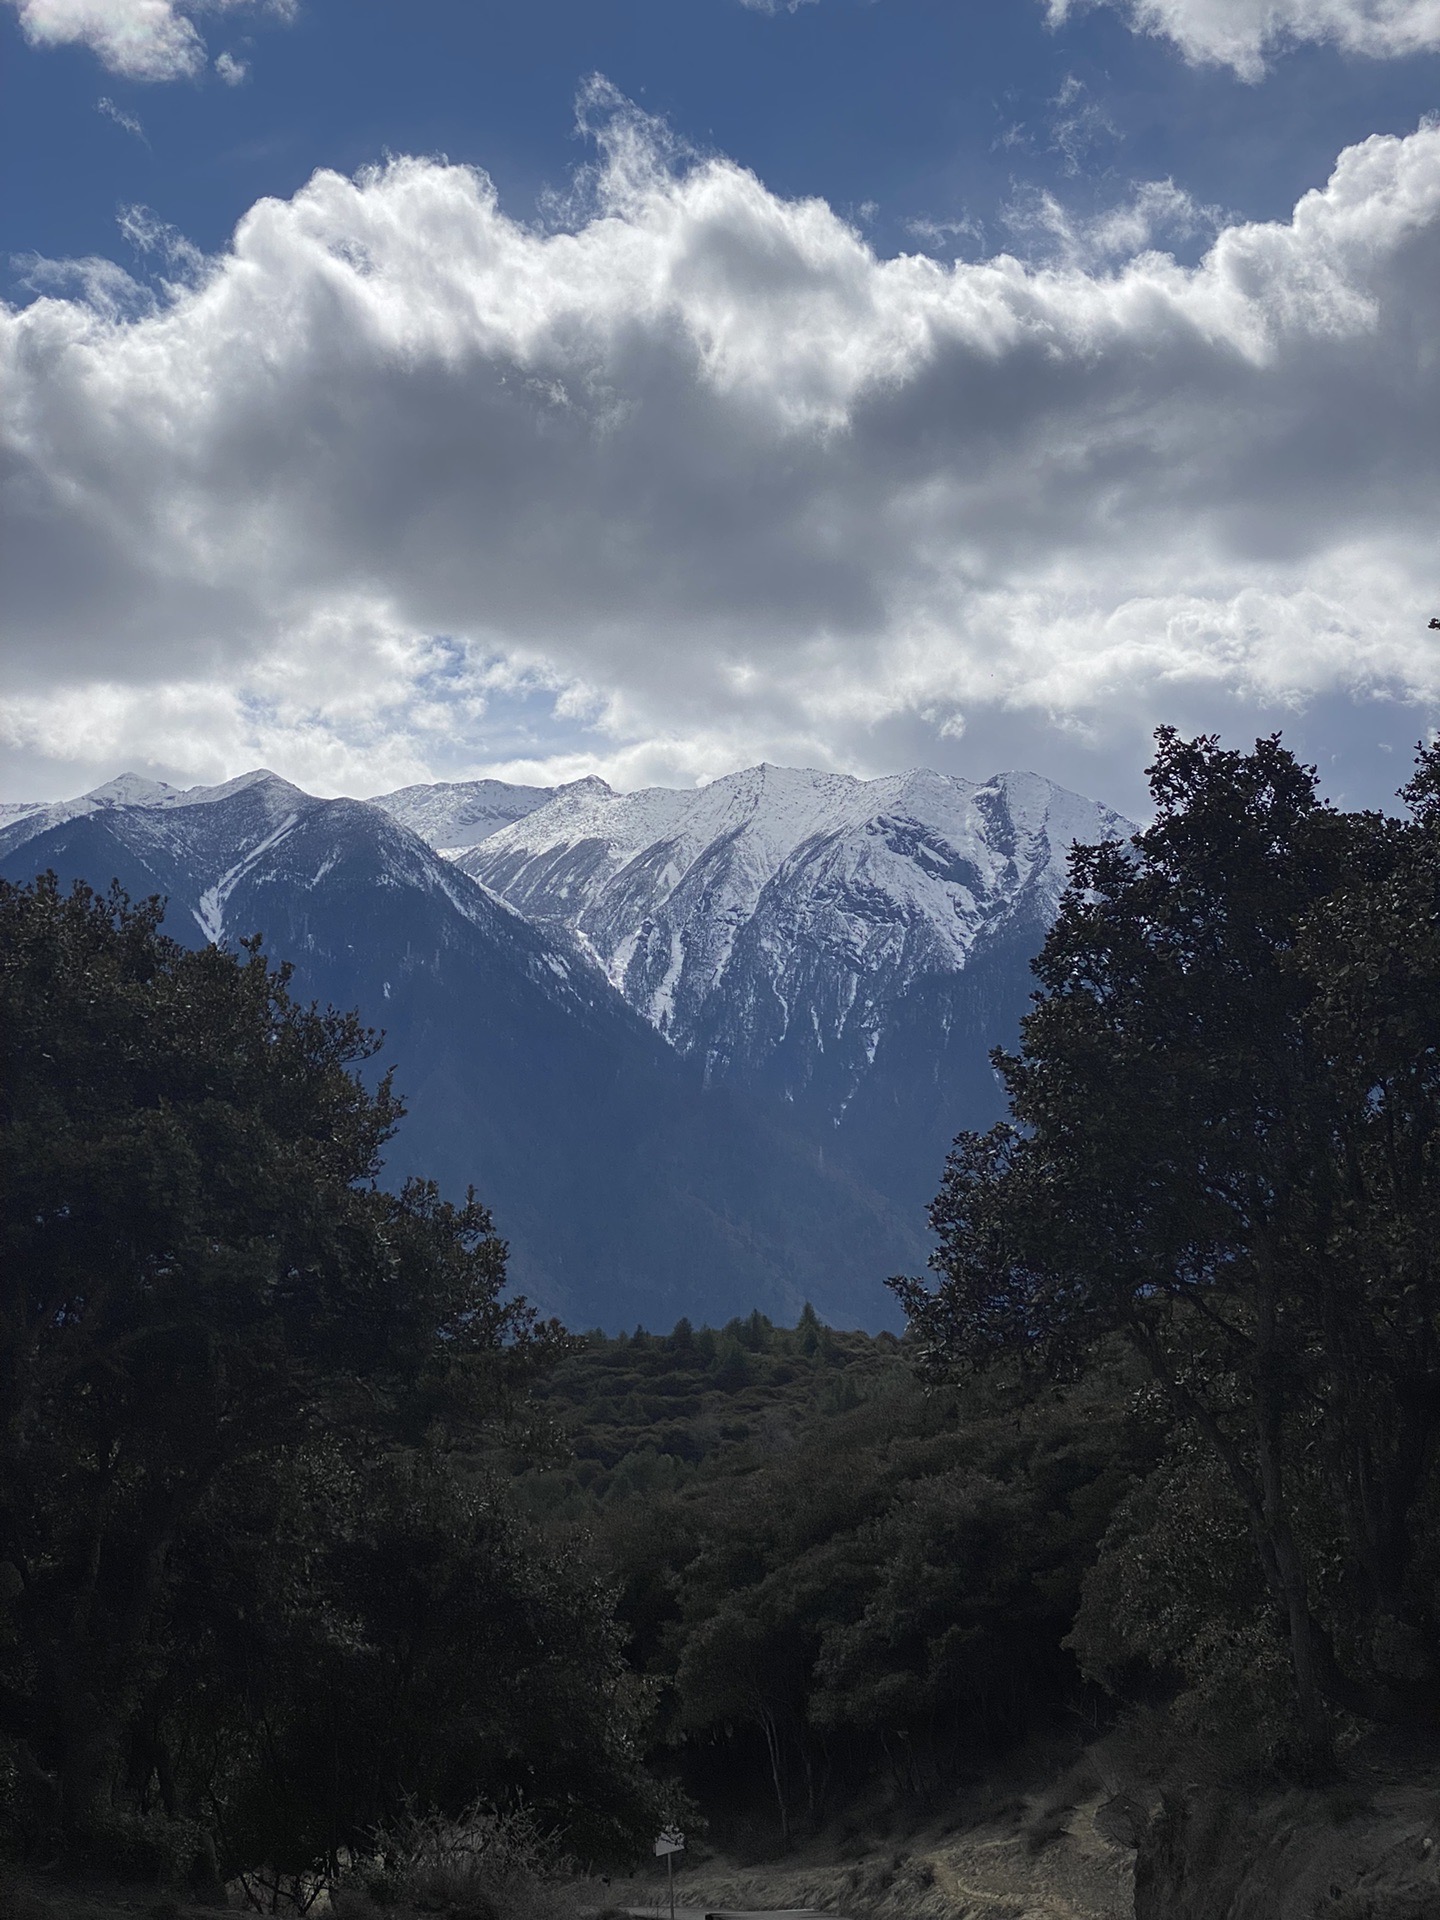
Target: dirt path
{"points": [[994, 1872]]}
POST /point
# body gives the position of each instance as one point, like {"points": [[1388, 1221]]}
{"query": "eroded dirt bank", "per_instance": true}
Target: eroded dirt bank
{"points": [[1351, 1852]]}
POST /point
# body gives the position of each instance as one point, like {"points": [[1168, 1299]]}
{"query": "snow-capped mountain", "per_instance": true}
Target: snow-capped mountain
{"points": [[223, 856], [229, 858], [20, 821], [789, 928], [726, 896], [626, 1190], [701, 1048], [450, 815], [457, 814]]}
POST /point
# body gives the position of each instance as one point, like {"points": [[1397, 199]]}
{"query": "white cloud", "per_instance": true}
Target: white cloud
{"points": [[1241, 33], [1079, 124], [140, 39], [105, 105], [232, 71], [1156, 212], [148, 234], [704, 479]]}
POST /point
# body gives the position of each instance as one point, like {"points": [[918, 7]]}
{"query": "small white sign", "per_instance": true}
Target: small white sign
{"points": [[670, 1841]]}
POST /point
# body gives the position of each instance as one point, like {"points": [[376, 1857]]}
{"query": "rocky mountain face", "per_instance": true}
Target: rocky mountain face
{"points": [[851, 949], [698, 1049], [628, 1192]]}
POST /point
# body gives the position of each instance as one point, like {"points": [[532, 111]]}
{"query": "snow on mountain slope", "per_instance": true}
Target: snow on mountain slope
{"points": [[626, 1189], [222, 855], [21, 823], [832, 959], [779, 898], [458, 814], [453, 816]]}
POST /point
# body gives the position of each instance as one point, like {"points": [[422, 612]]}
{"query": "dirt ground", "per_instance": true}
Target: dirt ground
{"points": [[1004, 1869], [1011, 1866], [37, 1896]]}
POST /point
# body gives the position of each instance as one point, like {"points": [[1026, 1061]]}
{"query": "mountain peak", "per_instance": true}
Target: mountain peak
{"points": [[259, 779], [776, 899], [456, 814], [19, 824], [132, 790]]}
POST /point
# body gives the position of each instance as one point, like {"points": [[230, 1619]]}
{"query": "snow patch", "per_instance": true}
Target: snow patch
{"points": [[618, 964], [662, 1001], [210, 913]]}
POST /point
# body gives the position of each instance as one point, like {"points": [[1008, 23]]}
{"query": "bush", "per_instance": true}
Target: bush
{"points": [[487, 1864], [134, 1846]]}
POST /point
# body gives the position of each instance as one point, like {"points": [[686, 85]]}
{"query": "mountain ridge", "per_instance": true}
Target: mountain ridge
{"points": [[626, 1190], [707, 910], [820, 961]]}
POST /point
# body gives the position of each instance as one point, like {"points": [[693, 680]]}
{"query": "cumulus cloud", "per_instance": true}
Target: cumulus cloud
{"points": [[141, 39], [1241, 33], [702, 474]]}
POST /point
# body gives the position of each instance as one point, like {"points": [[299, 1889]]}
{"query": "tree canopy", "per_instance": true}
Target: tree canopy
{"points": [[244, 1399], [1225, 1146], [836, 1580]]}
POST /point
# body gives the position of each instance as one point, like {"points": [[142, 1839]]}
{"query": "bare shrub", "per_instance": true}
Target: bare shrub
{"points": [[483, 1865]]}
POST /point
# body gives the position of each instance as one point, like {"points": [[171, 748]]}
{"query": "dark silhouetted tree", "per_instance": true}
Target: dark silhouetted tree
{"points": [[200, 1279], [1225, 1145]]}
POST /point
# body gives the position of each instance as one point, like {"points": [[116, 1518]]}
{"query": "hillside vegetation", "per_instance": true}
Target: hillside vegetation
{"points": [[833, 1577], [329, 1574]]}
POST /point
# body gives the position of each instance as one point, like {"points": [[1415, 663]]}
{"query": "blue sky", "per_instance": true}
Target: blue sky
{"points": [[672, 455], [929, 110]]}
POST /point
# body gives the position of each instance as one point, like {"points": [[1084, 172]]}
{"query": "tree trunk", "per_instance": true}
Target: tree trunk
{"points": [[772, 1745], [1270, 1528]]}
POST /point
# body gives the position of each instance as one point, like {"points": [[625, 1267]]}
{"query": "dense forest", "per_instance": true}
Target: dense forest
{"points": [[829, 1574], [313, 1536]]}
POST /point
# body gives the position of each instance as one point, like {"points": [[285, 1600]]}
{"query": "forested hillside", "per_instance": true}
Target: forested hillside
{"points": [[834, 1576], [327, 1567]]}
